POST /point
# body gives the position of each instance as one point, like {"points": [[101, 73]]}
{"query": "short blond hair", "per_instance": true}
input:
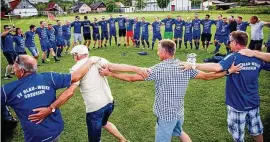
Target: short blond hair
{"points": [[168, 45]]}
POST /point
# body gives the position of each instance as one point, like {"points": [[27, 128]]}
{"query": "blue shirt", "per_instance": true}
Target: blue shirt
{"points": [[178, 29], [196, 24], [144, 26], [66, 32], [130, 23], [242, 26], [188, 28], [51, 35], [42, 34], [156, 27], [121, 22], [30, 39], [95, 28], [242, 89], [207, 25], [224, 29], [19, 43], [137, 27], [34, 91], [58, 31], [168, 24], [86, 26], [7, 43], [218, 27], [103, 25], [77, 26], [112, 24], [268, 42]]}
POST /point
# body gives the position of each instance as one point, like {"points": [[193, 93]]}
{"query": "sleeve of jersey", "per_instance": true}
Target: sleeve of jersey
{"points": [[227, 62], [60, 80], [152, 75], [3, 97], [266, 66]]}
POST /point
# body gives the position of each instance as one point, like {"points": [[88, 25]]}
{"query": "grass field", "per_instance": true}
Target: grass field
{"points": [[205, 111]]}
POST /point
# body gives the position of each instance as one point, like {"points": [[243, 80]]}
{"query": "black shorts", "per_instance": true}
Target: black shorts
{"points": [[255, 45], [122, 32], [206, 37], [10, 56], [87, 36]]}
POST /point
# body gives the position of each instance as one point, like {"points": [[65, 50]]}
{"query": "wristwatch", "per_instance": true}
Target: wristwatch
{"points": [[52, 108], [227, 72]]}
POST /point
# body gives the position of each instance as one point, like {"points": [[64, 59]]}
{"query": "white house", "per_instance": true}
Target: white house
{"points": [[208, 3], [174, 5], [81, 8], [125, 9], [22, 8]]}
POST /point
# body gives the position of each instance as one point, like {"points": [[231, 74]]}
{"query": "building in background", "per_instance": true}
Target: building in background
{"points": [[124, 9], [80, 8], [22, 8], [208, 3], [55, 8], [98, 7]]}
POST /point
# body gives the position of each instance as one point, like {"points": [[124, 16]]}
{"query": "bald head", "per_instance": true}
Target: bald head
{"points": [[28, 63]]}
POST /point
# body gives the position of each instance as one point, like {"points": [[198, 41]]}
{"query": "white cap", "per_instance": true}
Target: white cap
{"points": [[80, 50]]}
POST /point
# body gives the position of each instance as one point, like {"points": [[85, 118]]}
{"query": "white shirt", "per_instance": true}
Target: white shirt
{"points": [[95, 89], [257, 31]]}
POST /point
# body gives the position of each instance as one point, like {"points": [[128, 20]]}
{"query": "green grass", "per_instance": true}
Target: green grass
{"points": [[205, 111]]}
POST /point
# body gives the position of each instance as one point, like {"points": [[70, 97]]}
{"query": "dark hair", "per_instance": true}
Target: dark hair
{"points": [[168, 45], [207, 15], [49, 24], [32, 27], [220, 15], [85, 17], [255, 17], [77, 17], [6, 26], [57, 20], [240, 17], [240, 37], [16, 31], [232, 16], [40, 22]]}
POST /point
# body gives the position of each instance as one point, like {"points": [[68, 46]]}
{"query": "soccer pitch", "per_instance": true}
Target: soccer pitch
{"points": [[205, 109]]}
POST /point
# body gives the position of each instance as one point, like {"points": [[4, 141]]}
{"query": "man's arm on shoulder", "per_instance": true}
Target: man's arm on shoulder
{"points": [[211, 67], [127, 68], [252, 53]]}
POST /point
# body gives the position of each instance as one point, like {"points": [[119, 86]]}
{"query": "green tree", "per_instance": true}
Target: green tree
{"points": [[140, 4], [110, 6], [4, 6], [41, 6], [163, 3]]}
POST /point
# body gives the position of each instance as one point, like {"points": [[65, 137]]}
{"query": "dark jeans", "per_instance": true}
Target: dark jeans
{"points": [[255, 45], [95, 120], [268, 49]]}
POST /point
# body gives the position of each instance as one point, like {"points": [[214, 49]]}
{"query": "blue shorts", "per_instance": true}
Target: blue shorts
{"points": [[196, 36], [77, 37], [136, 36], [60, 42], [188, 38], [157, 36], [67, 42], [33, 51], [238, 119], [222, 39], [95, 120], [166, 129], [112, 33], [178, 35], [53, 45], [105, 35], [45, 46], [96, 36], [145, 37]]}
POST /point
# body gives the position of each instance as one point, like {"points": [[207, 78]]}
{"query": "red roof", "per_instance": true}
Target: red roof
{"points": [[50, 6], [13, 4]]}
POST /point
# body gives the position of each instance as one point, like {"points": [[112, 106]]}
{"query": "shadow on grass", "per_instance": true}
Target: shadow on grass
{"points": [[266, 131]]}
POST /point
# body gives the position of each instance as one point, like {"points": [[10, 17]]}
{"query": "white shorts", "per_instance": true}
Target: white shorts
{"points": [[77, 37]]}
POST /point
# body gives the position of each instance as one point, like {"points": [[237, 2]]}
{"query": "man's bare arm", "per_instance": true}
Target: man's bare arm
{"points": [[253, 53], [211, 67], [128, 68], [6, 32]]}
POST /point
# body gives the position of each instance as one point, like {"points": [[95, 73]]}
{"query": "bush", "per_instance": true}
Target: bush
{"points": [[250, 10], [211, 7]]}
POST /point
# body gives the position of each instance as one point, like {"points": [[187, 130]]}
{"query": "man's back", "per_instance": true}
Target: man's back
{"points": [[34, 91], [95, 89]]}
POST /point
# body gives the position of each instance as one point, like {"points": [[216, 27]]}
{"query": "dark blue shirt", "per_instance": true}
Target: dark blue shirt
{"points": [[77, 26], [218, 27], [178, 29], [103, 25], [95, 27], [58, 31], [86, 26], [7, 43], [30, 39], [207, 25], [144, 26], [51, 35], [137, 27], [156, 27], [224, 29], [168, 24], [130, 23], [66, 32], [34, 91], [112, 24], [19, 43], [242, 89], [42, 34], [242, 26], [121, 22], [188, 28], [196, 24]]}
